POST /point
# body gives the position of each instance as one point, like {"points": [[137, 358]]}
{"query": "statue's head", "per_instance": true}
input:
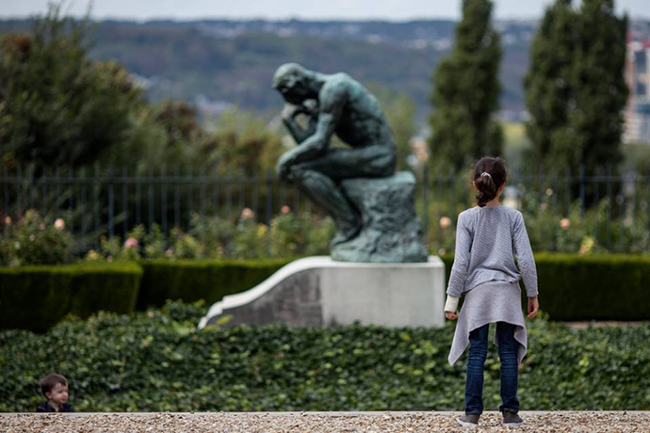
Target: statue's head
{"points": [[293, 81]]}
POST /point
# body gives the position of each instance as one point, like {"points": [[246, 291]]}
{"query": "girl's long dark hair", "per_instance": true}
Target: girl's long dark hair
{"points": [[489, 185]]}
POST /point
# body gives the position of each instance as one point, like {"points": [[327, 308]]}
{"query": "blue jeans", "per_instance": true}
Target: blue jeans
{"points": [[478, 350]]}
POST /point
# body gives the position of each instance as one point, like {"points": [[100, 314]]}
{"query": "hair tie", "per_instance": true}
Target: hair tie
{"points": [[485, 173]]}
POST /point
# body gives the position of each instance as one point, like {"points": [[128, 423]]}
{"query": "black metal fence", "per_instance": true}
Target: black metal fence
{"points": [[112, 201]]}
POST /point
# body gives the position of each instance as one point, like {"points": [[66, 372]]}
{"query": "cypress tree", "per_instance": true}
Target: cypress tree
{"points": [[466, 92], [575, 88], [549, 87], [600, 89]]}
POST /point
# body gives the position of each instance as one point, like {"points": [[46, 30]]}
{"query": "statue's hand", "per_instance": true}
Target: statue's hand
{"points": [[290, 111]]}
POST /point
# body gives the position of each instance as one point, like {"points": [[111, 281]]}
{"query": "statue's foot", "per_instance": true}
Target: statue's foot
{"points": [[346, 231]]}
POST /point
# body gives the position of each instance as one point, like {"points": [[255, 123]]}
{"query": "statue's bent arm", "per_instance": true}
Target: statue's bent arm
{"points": [[299, 133], [332, 99]]}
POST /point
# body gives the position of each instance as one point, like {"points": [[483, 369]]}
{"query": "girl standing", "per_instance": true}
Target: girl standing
{"points": [[487, 237]]}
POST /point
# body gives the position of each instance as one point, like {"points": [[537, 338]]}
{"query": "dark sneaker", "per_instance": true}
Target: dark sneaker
{"points": [[510, 418], [468, 420]]}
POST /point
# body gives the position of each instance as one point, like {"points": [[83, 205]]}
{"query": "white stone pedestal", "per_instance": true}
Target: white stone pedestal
{"points": [[317, 291]]}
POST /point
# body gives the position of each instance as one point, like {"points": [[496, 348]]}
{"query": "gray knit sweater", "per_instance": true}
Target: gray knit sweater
{"points": [[487, 238]]}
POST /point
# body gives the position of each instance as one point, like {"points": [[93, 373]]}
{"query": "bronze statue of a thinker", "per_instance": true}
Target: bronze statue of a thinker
{"points": [[334, 104]]}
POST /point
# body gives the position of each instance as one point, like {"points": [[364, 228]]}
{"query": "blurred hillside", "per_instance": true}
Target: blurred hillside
{"points": [[220, 62]]}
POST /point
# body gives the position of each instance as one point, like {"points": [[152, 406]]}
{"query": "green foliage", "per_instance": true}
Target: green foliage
{"points": [[57, 106], [157, 361], [593, 232], [575, 88], [34, 240], [299, 235], [600, 88], [636, 157], [466, 92], [604, 228], [36, 297], [288, 235], [209, 280], [582, 287], [241, 143], [549, 88], [599, 287]]}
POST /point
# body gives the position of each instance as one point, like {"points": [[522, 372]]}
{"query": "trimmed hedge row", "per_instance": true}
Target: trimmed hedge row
{"points": [[210, 280], [599, 287], [608, 287], [36, 297], [157, 361]]}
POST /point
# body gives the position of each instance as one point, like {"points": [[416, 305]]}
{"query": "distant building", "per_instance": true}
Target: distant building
{"points": [[637, 77]]}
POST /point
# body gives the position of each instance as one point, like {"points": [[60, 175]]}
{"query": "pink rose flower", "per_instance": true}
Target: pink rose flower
{"points": [[59, 224], [445, 222], [247, 213]]}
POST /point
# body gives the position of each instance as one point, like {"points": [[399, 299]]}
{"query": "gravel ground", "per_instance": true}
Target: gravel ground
{"points": [[379, 422]]}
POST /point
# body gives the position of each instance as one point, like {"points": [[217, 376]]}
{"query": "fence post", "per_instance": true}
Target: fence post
{"points": [[5, 187], [19, 186], [177, 195], [204, 192], [125, 201], [84, 207], [569, 186], [57, 182], [150, 198], [110, 203], [241, 180], [228, 195], [138, 197], [217, 183], [255, 192], [163, 197], [44, 183], [582, 191], [96, 185], [71, 188], [30, 187], [609, 207]]}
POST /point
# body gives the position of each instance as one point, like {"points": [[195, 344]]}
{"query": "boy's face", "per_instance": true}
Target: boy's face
{"points": [[58, 395]]}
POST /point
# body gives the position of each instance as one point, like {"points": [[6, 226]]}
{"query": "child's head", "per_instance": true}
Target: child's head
{"points": [[489, 178], [55, 388]]}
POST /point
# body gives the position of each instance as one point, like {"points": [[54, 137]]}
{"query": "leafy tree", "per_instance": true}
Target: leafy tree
{"points": [[466, 92], [548, 84], [57, 106], [179, 120], [575, 89], [241, 142], [600, 89]]}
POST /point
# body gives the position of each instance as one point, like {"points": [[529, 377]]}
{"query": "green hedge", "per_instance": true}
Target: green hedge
{"points": [[157, 361], [606, 287], [209, 280], [598, 287], [36, 297]]}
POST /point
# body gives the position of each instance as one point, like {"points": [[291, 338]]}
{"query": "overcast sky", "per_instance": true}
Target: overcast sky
{"points": [[306, 9]]}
